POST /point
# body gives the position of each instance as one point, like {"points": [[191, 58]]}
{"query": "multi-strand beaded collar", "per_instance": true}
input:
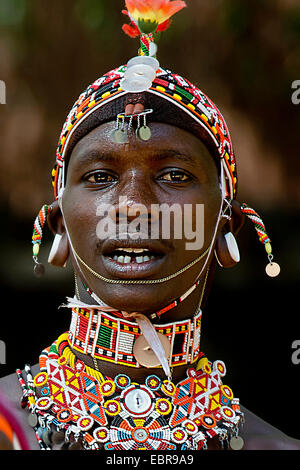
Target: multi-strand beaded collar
{"points": [[108, 338], [93, 411]]}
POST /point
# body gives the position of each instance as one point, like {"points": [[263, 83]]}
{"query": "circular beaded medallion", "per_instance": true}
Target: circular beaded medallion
{"points": [[122, 381], [101, 434], [152, 434], [64, 415], [107, 388], [227, 413], [85, 423], [138, 400], [140, 434], [220, 367], [79, 366], [190, 426], [62, 360], [227, 391], [44, 403], [112, 407], [208, 421], [45, 391], [40, 379], [153, 382], [163, 406], [179, 435], [168, 388]]}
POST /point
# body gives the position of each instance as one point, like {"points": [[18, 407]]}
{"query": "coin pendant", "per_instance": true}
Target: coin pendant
{"points": [[272, 269], [144, 133], [236, 443]]}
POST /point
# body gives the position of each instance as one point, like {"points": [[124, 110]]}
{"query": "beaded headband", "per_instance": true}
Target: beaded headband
{"points": [[168, 86]]}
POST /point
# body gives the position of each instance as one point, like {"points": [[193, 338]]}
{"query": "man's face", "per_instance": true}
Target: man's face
{"points": [[173, 174]]}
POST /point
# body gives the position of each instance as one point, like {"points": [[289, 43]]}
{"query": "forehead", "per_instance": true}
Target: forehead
{"points": [[166, 141]]}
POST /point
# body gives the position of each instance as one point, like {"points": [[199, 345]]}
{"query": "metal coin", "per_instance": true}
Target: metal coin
{"points": [[144, 133], [236, 443], [120, 137], [145, 355], [32, 420], [39, 270], [272, 269]]}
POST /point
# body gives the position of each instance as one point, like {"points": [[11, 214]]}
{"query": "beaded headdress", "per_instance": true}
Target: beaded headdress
{"points": [[105, 98]]}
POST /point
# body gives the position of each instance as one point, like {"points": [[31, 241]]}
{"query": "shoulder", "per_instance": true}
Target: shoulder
{"points": [[259, 435], [11, 392]]}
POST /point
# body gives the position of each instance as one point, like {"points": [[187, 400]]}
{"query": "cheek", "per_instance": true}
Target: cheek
{"points": [[206, 202], [80, 215]]}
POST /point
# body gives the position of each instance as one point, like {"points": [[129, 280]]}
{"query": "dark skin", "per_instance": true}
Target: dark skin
{"points": [[153, 172], [172, 167]]}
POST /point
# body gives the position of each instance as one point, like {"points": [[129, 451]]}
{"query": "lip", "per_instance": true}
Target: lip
{"points": [[133, 270]]}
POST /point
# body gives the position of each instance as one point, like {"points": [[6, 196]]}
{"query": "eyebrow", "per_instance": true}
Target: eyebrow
{"points": [[162, 154]]}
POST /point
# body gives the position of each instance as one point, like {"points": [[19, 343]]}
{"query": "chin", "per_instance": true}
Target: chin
{"points": [[136, 298]]}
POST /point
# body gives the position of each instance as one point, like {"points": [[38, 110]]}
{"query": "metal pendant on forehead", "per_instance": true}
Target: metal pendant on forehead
{"points": [[143, 133], [120, 136]]}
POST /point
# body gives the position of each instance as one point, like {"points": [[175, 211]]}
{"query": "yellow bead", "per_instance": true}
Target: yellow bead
{"points": [[177, 97], [202, 364], [268, 248], [36, 249]]}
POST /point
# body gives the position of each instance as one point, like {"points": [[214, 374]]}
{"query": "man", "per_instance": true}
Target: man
{"points": [[140, 143]]}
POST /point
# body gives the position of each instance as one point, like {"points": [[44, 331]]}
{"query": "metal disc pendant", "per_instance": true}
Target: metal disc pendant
{"points": [[145, 355], [32, 420], [39, 270], [272, 269], [236, 443], [144, 133], [120, 137]]}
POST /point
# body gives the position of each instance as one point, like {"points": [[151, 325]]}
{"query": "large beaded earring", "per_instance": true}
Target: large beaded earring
{"points": [[38, 227], [272, 269]]}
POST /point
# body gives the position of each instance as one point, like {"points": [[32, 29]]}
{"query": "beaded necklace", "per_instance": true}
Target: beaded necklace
{"points": [[97, 412], [105, 337]]}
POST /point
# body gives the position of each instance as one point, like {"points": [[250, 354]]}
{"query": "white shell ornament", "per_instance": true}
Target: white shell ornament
{"points": [[140, 73]]}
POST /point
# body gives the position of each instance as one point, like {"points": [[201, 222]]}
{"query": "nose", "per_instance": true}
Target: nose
{"points": [[137, 199]]}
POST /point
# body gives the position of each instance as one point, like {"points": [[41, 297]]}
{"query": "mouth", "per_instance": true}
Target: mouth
{"points": [[133, 260]]}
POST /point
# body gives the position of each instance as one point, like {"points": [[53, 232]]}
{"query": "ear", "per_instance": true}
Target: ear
{"points": [[226, 249], [59, 252], [237, 219]]}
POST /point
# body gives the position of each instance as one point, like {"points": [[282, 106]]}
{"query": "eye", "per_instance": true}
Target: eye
{"points": [[99, 177], [176, 176]]}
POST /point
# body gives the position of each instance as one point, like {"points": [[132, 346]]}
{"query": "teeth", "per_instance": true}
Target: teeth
{"points": [[132, 250], [128, 259]]}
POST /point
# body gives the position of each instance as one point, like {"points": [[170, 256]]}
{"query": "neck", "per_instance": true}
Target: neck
{"points": [[185, 311]]}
